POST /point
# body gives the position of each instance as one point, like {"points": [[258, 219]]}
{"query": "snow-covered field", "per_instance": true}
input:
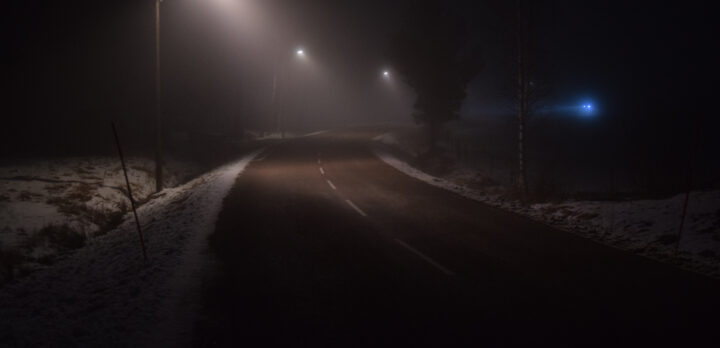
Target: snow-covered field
{"points": [[48, 206], [645, 227], [104, 294]]}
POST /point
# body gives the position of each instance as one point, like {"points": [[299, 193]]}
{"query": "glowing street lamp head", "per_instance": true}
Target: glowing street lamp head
{"points": [[300, 52], [386, 73]]}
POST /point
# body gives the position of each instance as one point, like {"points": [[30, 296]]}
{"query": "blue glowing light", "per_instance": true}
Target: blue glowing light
{"points": [[586, 109]]}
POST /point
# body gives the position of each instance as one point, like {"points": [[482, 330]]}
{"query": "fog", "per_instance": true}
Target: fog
{"points": [[81, 67], [228, 67], [359, 172]]}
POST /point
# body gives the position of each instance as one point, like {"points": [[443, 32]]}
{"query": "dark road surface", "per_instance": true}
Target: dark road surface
{"points": [[358, 254]]}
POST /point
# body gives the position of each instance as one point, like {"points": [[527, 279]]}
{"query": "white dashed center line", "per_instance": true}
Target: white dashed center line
{"points": [[349, 202], [403, 244], [331, 184], [426, 258]]}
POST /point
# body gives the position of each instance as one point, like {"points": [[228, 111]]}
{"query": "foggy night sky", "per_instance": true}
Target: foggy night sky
{"points": [[72, 67]]}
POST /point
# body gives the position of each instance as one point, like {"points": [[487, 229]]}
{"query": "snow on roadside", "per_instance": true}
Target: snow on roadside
{"points": [[75, 191], [646, 227], [392, 140], [105, 294], [50, 206], [262, 135], [316, 133]]}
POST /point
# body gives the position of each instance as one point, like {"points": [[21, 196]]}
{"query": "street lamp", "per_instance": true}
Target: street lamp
{"points": [[158, 109], [158, 100], [386, 73], [278, 74]]}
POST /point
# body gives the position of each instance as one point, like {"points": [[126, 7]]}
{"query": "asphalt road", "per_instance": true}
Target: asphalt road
{"points": [[322, 244]]}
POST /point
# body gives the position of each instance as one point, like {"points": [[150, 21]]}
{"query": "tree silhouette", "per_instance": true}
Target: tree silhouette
{"points": [[432, 55]]}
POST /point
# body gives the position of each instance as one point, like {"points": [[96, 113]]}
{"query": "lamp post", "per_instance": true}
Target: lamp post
{"points": [[275, 103], [158, 108], [278, 75]]}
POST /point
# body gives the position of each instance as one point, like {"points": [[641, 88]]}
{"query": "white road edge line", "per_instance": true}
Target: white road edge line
{"points": [[426, 258], [319, 161], [331, 184], [355, 207], [322, 171]]}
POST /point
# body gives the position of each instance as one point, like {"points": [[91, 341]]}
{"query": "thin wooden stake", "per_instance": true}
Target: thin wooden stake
{"points": [[691, 163], [127, 181], [682, 220]]}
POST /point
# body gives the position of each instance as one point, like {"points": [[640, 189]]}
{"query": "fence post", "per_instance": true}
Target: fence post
{"points": [[690, 165], [127, 182]]}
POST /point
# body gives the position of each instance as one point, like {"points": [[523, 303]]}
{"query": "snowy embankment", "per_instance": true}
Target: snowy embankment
{"points": [[645, 227], [104, 294], [48, 207]]}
